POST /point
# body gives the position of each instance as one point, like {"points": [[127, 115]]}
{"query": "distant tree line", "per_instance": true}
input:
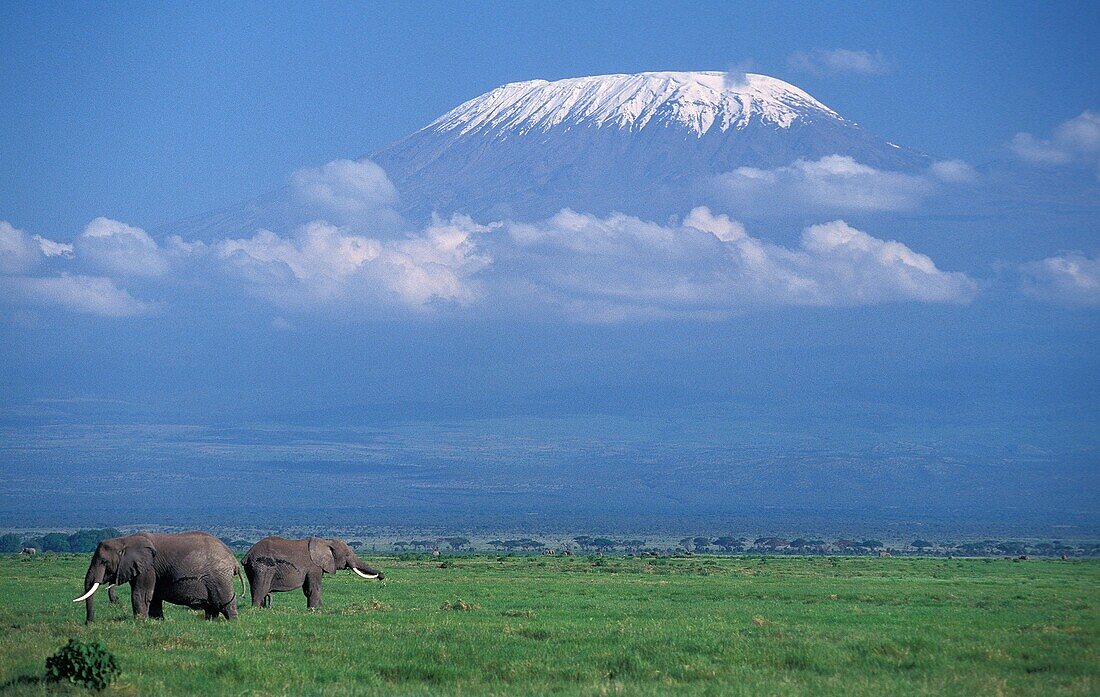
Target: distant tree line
{"points": [[79, 541], [728, 544], [84, 541]]}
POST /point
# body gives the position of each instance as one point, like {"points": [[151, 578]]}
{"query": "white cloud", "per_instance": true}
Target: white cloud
{"points": [[85, 294], [953, 172], [118, 248], [18, 250], [1075, 142], [835, 183], [839, 60], [620, 267], [345, 186], [1071, 278], [855, 268], [107, 244], [324, 263], [736, 77]]}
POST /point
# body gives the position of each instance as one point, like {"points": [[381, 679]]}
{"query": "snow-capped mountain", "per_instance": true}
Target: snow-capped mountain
{"points": [[634, 143], [641, 144], [695, 102]]}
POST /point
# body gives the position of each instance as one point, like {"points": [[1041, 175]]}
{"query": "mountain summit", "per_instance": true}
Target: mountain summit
{"points": [[639, 144], [645, 145], [695, 102]]}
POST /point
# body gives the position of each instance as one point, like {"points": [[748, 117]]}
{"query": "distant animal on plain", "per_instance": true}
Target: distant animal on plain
{"points": [[1065, 557], [435, 552], [31, 551], [275, 564], [884, 555], [192, 569]]}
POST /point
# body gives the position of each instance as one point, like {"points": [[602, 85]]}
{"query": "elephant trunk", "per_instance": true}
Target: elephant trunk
{"points": [[238, 573], [365, 571], [92, 580]]}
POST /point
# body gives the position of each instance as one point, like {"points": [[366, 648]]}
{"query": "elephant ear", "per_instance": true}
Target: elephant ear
{"points": [[321, 554], [137, 557], [340, 552]]}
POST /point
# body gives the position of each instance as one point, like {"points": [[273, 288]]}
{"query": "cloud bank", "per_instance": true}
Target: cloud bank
{"points": [[22, 258], [708, 266], [835, 183], [1071, 278], [578, 266], [1074, 143]]}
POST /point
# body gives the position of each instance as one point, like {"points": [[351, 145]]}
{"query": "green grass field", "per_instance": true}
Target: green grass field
{"points": [[574, 625]]}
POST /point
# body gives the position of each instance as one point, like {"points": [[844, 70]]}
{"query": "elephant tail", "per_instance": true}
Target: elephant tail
{"points": [[237, 572]]}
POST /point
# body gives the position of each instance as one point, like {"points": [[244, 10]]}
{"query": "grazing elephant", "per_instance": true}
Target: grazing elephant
{"points": [[191, 569], [275, 564]]}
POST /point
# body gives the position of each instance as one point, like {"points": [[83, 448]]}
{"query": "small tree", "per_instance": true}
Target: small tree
{"points": [[88, 540], [55, 542], [728, 544], [10, 542]]}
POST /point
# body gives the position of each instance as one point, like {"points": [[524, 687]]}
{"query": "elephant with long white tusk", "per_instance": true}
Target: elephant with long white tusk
{"points": [[193, 569], [275, 564]]}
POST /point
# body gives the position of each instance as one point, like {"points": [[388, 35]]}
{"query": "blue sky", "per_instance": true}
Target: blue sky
{"points": [[948, 351]]}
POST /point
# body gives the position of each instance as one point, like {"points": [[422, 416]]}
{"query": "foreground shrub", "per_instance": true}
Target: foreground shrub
{"points": [[87, 664]]}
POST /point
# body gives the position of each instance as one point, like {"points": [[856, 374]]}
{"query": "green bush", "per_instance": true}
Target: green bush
{"points": [[10, 543], [87, 664]]}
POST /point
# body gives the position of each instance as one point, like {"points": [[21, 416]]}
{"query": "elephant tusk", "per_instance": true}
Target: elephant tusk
{"points": [[110, 586], [357, 571], [95, 587]]}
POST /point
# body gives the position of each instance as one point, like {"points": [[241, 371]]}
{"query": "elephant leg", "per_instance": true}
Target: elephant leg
{"points": [[140, 600], [210, 613], [229, 612], [156, 608], [312, 590], [112, 595], [261, 590]]}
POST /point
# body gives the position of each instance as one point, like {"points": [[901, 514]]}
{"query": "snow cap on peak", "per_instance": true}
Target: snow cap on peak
{"points": [[696, 101]]}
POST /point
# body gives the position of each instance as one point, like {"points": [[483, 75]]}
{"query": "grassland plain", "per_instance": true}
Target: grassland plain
{"points": [[593, 626]]}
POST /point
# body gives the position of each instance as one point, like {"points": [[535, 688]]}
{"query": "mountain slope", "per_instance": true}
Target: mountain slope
{"points": [[634, 143]]}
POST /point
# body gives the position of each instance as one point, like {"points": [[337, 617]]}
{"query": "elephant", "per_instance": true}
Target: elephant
{"points": [[275, 564], [193, 569]]}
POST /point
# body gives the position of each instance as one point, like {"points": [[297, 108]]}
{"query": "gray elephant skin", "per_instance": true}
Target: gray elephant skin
{"points": [[192, 569], [275, 564]]}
